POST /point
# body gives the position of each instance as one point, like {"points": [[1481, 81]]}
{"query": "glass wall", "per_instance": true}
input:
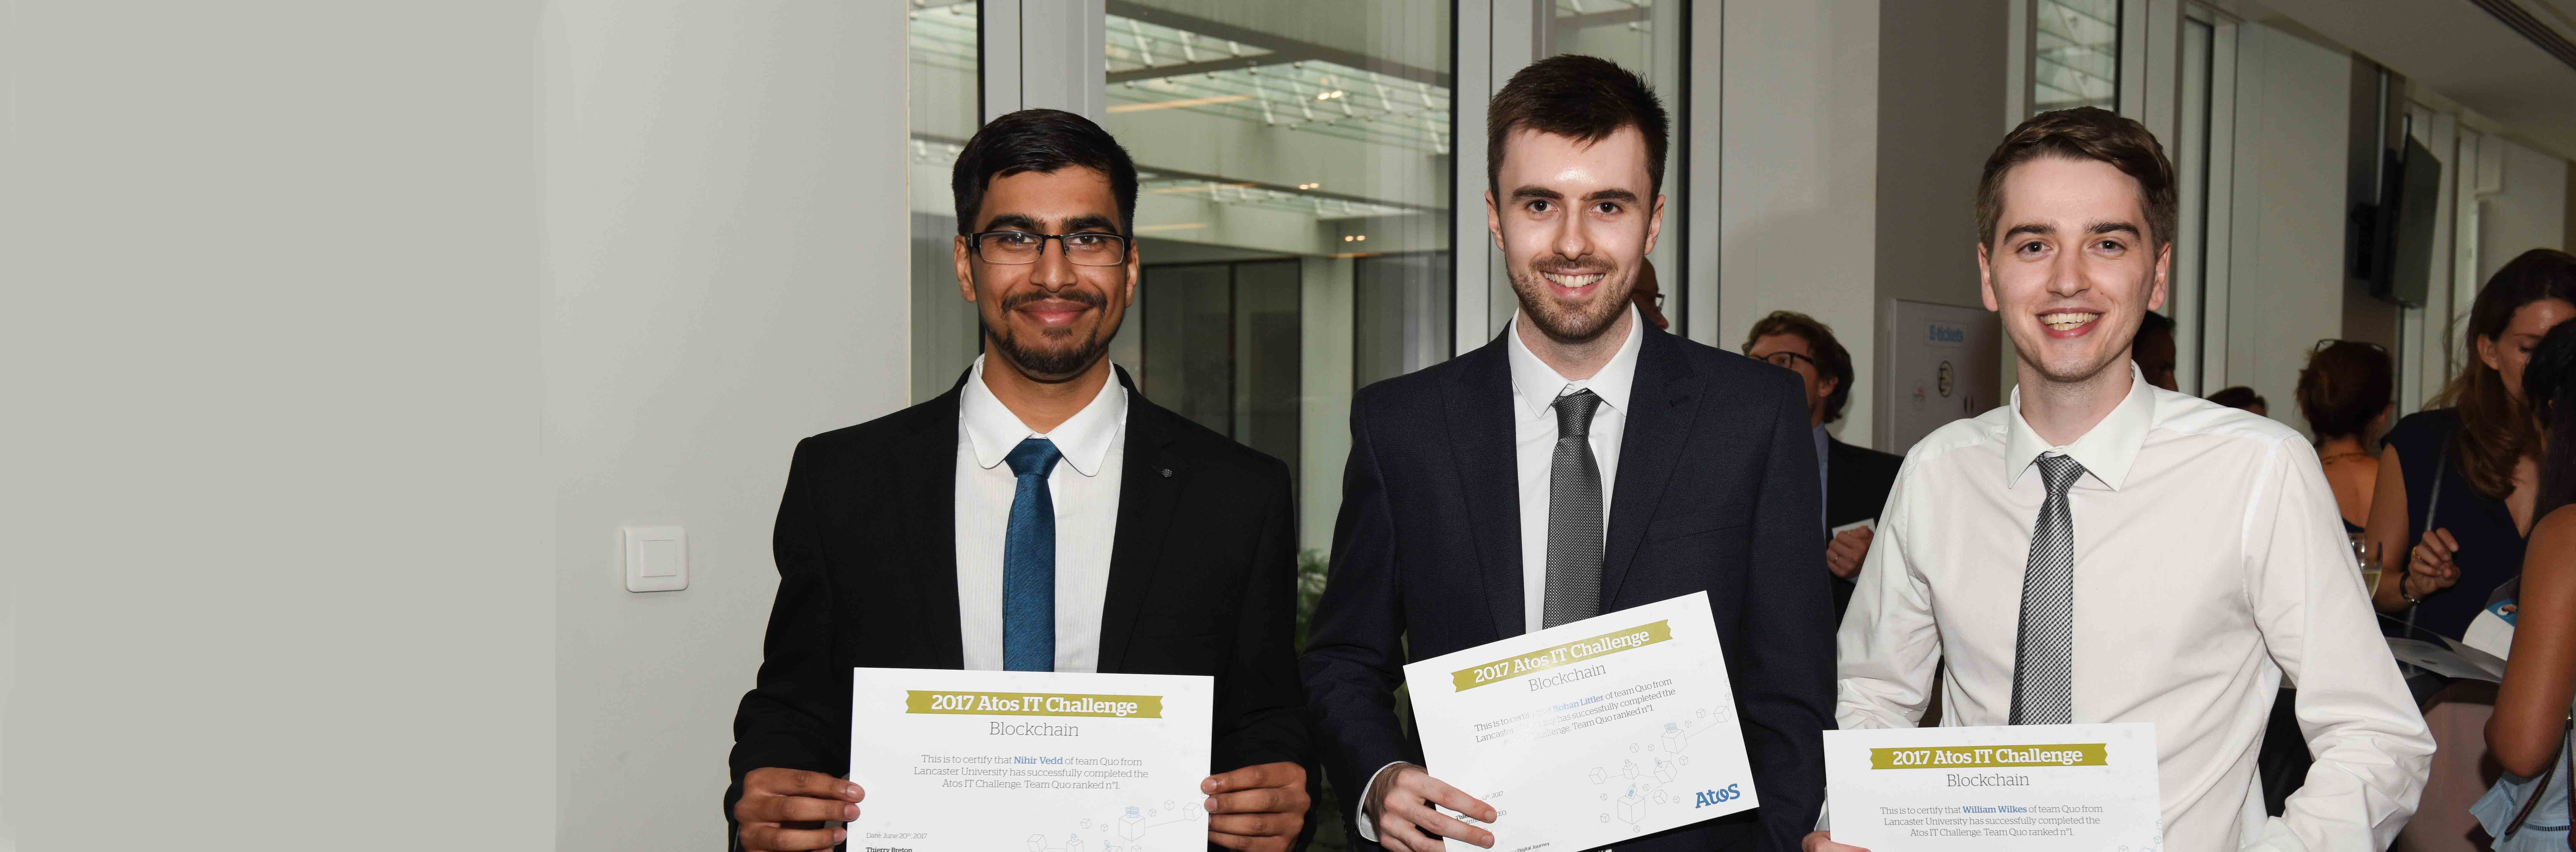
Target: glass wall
{"points": [[945, 111], [1294, 219], [2078, 61]]}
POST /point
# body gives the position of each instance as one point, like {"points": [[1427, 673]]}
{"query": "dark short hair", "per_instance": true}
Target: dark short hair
{"points": [[1584, 98], [2344, 387], [2156, 322], [2083, 133], [2549, 383], [1043, 141], [2239, 396], [1832, 361]]}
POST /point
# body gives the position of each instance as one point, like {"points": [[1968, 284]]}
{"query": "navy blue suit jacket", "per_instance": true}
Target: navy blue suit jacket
{"points": [[1716, 491]]}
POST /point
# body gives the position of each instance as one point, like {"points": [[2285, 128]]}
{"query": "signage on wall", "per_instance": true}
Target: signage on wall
{"points": [[1936, 363]]}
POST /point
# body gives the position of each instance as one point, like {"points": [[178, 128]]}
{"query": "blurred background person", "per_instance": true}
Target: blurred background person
{"points": [[2454, 499], [1856, 479], [2528, 732], [2346, 394], [1649, 296], [2457, 482], [2242, 397], [2154, 350]]}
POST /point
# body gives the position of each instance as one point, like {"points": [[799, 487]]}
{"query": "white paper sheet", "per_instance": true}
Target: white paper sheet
{"points": [[975, 761], [1995, 789], [1589, 733]]}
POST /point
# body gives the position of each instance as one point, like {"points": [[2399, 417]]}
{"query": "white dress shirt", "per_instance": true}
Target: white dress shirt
{"points": [[2209, 565], [1535, 387], [1084, 488]]}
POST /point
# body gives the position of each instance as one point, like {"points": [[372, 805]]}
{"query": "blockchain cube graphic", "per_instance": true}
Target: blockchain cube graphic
{"points": [[1628, 770], [1632, 808], [1073, 843], [1598, 776], [1131, 826], [1037, 843], [1664, 770]]}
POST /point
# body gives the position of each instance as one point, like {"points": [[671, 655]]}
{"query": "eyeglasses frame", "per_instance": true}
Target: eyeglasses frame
{"points": [[1126, 246]]}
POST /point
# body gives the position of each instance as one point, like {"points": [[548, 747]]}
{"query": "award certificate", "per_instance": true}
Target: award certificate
{"points": [[2062, 788], [1588, 733], [1035, 761]]}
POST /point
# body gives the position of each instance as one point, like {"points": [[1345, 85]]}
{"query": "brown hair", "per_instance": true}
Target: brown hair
{"points": [[2495, 429], [2083, 133], [2238, 396], [1584, 98], [1832, 361], [2346, 384]]}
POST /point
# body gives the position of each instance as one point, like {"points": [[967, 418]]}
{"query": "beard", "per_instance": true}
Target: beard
{"points": [[1053, 353], [1572, 323]]}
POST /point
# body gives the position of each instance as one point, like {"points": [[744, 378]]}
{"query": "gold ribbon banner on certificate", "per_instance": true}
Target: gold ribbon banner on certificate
{"points": [[1569, 653], [1987, 757], [1033, 704]]}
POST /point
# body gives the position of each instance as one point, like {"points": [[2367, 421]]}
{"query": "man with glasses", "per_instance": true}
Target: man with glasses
{"points": [[1039, 516], [1856, 479]]}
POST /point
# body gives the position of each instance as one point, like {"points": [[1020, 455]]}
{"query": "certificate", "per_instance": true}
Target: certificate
{"points": [[2062, 788], [1034, 761], [1588, 733]]}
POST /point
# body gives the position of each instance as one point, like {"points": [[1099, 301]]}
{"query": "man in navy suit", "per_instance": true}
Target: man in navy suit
{"points": [[1582, 463]]}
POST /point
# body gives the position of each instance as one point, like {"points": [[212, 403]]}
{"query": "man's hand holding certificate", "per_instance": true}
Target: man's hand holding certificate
{"points": [[1583, 734]]}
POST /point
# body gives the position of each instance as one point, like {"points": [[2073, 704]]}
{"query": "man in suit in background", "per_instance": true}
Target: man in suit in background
{"points": [[1040, 516], [1855, 479], [1583, 462]]}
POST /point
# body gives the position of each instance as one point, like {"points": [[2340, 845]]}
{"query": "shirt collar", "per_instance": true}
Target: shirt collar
{"points": [[992, 431], [2106, 451], [1535, 385]]}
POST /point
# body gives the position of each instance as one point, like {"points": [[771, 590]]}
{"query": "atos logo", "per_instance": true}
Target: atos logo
{"points": [[1946, 334], [1713, 797]]}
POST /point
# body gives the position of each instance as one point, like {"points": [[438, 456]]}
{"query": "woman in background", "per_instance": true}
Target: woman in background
{"points": [[2344, 393], [2456, 484], [2242, 397], [2528, 732]]}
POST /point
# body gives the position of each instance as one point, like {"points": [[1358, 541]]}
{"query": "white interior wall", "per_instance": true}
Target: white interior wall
{"points": [[725, 245], [276, 539], [2285, 255], [1800, 170], [2527, 210]]}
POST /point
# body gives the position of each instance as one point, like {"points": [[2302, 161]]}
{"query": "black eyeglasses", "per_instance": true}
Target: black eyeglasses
{"points": [[1788, 359], [1088, 248]]}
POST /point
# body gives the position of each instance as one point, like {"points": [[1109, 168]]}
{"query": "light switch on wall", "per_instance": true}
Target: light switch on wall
{"points": [[657, 559]]}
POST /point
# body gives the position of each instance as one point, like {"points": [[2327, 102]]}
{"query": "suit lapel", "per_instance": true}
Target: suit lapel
{"points": [[1662, 402], [925, 469], [1149, 491], [1487, 461]]}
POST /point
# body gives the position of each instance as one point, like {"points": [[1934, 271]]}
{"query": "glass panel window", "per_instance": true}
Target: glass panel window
{"points": [[2078, 61], [1293, 219], [944, 92]]}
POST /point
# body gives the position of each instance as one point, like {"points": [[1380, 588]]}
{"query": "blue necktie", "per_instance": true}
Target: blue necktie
{"points": [[1028, 562]]}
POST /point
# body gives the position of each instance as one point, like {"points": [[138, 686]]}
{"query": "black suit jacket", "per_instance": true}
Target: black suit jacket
{"points": [[1202, 581], [1857, 480], [1716, 492]]}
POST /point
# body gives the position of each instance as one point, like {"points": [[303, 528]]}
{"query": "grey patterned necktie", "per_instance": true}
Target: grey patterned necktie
{"points": [[2044, 657], [1573, 515]]}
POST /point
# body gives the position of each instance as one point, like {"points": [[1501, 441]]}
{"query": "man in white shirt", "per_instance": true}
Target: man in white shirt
{"points": [[1040, 516], [2101, 550]]}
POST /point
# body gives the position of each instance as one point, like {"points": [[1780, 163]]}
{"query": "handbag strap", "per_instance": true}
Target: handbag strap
{"points": [[2540, 790]]}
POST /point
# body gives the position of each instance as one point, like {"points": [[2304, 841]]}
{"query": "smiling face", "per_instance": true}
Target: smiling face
{"points": [[1574, 222], [2073, 268], [1051, 320], [2511, 353]]}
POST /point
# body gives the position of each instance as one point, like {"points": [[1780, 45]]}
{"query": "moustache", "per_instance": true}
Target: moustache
{"points": [[1085, 298]]}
